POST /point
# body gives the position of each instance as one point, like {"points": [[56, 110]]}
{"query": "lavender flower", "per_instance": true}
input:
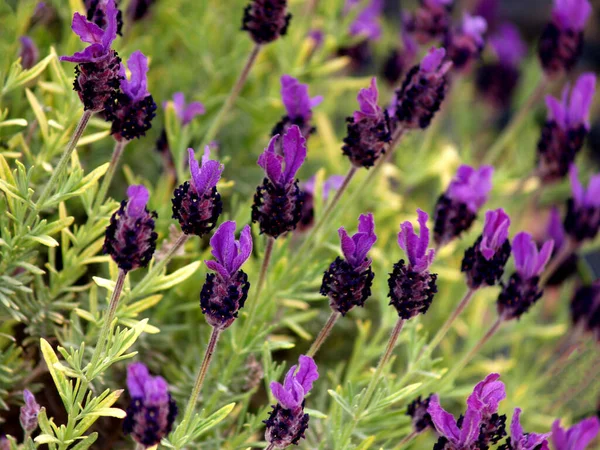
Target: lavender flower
{"points": [[522, 290], [480, 426], [266, 20], [368, 21], [278, 200], [488, 9], [138, 9], [583, 208], [497, 81], [484, 262], [333, 183], [430, 22], [298, 105], [457, 208], [197, 203], [225, 291], [524, 441], [288, 422], [417, 410], [466, 43], [400, 59], [556, 231], [561, 43], [565, 129], [186, 111], [423, 91], [130, 238], [368, 131], [29, 52], [585, 309], [97, 74], [411, 286], [131, 111], [97, 12], [152, 411], [29, 413], [578, 437], [348, 280]]}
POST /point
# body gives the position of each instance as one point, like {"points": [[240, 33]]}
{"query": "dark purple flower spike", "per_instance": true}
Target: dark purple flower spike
{"points": [[368, 130], [266, 20], [333, 183], [578, 437], [288, 422], [97, 74], [565, 129], [417, 410], [522, 289], [466, 44], [186, 111], [278, 200], [28, 53], [28, 416], [561, 43], [423, 91], [497, 81], [585, 309], [152, 411], [556, 231], [298, 106], [368, 21], [348, 280], [411, 286], [457, 208], [130, 238], [480, 427], [400, 59], [97, 13], [430, 22], [484, 262], [131, 111], [225, 291], [138, 9], [583, 208], [519, 440], [197, 203]]}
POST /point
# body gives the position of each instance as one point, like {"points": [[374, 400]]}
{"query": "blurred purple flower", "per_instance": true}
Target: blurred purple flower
{"points": [[466, 44], [28, 416], [28, 53], [529, 262], [508, 45], [583, 208], [430, 22], [186, 111], [578, 437], [266, 20], [368, 21]]}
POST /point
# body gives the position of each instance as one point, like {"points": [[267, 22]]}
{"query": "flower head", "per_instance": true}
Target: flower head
{"points": [[430, 22], [29, 412], [152, 411], [573, 110], [525, 441], [495, 232], [571, 14], [368, 21], [186, 111], [230, 254], [578, 437], [508, 45], [416, 246], [583, 208], [466, 44], [298, 103], [266, 20], [297, 385], [28, 53], [530, 262], [585, 309], [471, 186], [294, 154], [475, 27], [583, 197]]}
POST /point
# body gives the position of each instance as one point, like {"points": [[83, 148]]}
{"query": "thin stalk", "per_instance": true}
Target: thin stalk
{"points": [[233, 95], [108, 318], [515, 124], [60, 167], [210, 351], [270, 447], [108, 176], [448, 324], [407, 439], [314, 348], [261, 281], [567, 249]]}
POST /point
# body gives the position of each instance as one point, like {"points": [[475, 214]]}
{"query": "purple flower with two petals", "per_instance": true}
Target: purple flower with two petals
{"points": [[186, 111], [400, 59], [565, 129], [497, 81], [298, 105], [333, 183], [484, 262], [520, 440], [466, 44], [578, 437], [368, 130], [583, 208], [28, 416], [288, 422], [522, 290], [348, 280], [97, 75], [457, 208], [278, 200], [152, 411], [97, 13], [368, 21], [28, 53], [197, 204], [561, 43], [411, 286], [226, 291], [423, 90], [266, 20], [130, 238], [585, 309], [430, 22]]}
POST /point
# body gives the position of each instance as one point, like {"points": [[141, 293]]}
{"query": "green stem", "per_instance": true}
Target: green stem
{"points": [[314, 348], [210, 351], [108, 319], [270, 447], [406, 440], [60, 167], [110, 172], [233, 95]]}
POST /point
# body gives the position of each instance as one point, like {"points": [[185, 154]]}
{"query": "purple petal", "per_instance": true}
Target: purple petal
{"points": [[217, 267], [137, 376], [469, 431], [206, 177], [244, 249], [444, 421], [576, 186], [91, 54], [138, 199], [508, 45], [271, 162], [295, 98], [592, 195], [136, 88], [471, 186], [488, 394], [193, 109], [431, 62], [87, 31], [556, 111], [333, 183], [367, 23], [571, 14], [307, 373], [555, 229], [348, 245], [582, 97], [543, 257], [179, 104], [156, 391], [110, 33], [516, 430], [578, 437], [495, 232], [223, 244], [474, 26], [294, 152], [367, 101]]}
